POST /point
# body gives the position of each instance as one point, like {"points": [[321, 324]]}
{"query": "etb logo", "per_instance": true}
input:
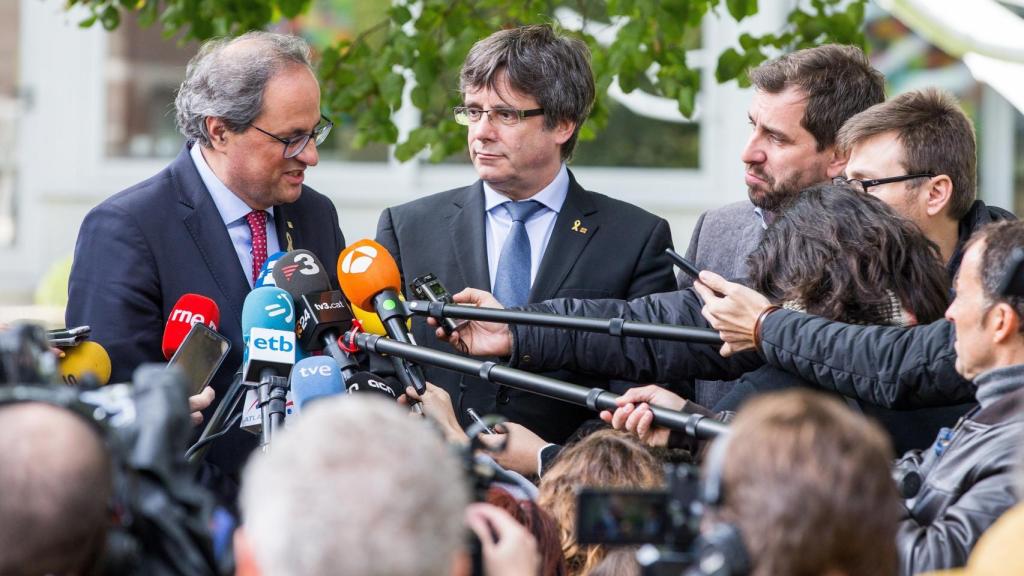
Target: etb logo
{"points": [[266, 345]]}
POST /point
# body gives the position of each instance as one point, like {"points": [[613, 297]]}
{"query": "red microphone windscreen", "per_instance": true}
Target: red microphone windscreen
{"points": [[365, 269], [188, 310]]}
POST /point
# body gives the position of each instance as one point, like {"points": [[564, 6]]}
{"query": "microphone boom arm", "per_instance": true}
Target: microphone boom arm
{"points": [[596, 399], [613, 327]]}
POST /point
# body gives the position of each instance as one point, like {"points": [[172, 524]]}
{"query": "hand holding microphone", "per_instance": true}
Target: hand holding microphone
{"points": [[476, 337]]}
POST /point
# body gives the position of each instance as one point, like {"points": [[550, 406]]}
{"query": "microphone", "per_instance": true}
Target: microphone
{"points": [[268, 320], [596, 399], [264, 278], [370, 279], [313, 378], [613, 327], [85, 363], [371, 322], [362, 382], [323, 314], [188, 310]]}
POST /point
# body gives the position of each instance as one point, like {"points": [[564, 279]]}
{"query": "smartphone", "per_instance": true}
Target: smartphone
{"points": [[685, 265], [67, 337], [618, 517], [200, 355]]}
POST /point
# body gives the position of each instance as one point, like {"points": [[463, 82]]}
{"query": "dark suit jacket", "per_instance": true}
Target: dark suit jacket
{"points": [[621, 255], [143, 248]]}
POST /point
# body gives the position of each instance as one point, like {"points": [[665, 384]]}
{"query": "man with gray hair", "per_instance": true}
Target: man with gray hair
{"points": [[526, 230], [249, 110], [356, 486]]}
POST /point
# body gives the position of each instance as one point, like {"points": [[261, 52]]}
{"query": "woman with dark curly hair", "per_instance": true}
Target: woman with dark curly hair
{"points": [[842, 254]]}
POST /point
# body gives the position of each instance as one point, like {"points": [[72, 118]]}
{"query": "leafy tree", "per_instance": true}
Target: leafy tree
{"points": [[426, 41]]}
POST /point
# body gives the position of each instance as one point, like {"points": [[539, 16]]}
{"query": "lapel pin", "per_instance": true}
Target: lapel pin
{"points": [[290, 226], [288, 238], [577, 228]]}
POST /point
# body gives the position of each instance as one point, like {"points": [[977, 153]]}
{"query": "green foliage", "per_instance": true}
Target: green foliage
{"points": [[424, 43]]}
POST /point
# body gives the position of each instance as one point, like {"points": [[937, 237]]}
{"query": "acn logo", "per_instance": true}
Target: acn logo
{"points": [[358, 260]]}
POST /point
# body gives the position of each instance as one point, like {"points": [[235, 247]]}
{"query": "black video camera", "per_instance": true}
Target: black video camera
{"points": [[161, 525]]}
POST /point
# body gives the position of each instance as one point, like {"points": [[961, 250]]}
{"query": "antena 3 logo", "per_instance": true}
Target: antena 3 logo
{"points": [[359, 260]]}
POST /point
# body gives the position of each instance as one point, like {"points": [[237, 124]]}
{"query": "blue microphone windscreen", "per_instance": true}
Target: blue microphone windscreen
{"points": [[315, 377], [268, 307], [266, 276]]}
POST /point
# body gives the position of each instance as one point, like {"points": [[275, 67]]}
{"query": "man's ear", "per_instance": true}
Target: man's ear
{"points": [[245, 560], [1007, 323], [218, 132], [563, 131], [937, 195], [837, 162]]}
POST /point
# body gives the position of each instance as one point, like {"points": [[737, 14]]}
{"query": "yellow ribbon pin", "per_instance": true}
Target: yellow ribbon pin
{"points": [[577, 228]]}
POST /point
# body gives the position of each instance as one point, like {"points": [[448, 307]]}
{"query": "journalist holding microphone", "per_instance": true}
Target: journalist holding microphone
{"points": [[249, 110]]}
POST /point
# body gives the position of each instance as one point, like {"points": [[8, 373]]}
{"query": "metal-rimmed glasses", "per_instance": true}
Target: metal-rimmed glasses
{"points": [[862, 184], [296, 144], [467, 115]]}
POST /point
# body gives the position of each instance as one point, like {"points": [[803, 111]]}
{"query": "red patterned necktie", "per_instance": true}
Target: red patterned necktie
{"points": [[257, 220]]}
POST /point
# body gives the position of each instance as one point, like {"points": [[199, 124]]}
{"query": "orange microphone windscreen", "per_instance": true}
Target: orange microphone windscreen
{"points": [[366, 269]]}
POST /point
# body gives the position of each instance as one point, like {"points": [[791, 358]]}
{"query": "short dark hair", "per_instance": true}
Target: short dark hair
{"points": [[937, 138], [808, 484], [841, 254], [839, 82], [1001, 239], [55, 489], [552, 68]]}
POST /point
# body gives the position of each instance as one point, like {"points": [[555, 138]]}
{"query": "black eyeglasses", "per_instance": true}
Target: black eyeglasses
{"points": [[508, 116], [296, 144], [862, 185]]}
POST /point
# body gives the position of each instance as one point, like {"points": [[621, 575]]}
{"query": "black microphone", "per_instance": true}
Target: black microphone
{"points": [[362, 382], [370, 279], [613, 327], [322, 313], [596, 399]]}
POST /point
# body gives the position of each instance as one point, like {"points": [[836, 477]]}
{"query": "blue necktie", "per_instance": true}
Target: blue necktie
{"points": [[512, 282]]}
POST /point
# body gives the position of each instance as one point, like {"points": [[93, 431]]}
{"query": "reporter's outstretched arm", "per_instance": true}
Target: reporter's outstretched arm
{"points": [[893, 367], [636, 359], [732, 309]]}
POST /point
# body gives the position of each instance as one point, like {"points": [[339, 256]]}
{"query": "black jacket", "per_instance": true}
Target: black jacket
{"points": [[645, 360], [965, 489]]}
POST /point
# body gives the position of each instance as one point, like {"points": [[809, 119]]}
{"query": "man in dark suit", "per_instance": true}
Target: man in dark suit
{"points": [[800, 101], [250, 110], [526, 230]]}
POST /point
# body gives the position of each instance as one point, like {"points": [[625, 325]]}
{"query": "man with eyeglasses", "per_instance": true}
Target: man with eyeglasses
{"points": [[249, 108], [526, 230], [916, 153]]}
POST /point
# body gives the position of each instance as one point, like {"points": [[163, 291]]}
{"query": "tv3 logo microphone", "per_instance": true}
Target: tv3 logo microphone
{"points": [[304, 264]]}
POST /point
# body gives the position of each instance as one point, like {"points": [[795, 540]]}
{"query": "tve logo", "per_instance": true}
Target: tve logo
{"points": [[271, 346], [321, 370]]}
